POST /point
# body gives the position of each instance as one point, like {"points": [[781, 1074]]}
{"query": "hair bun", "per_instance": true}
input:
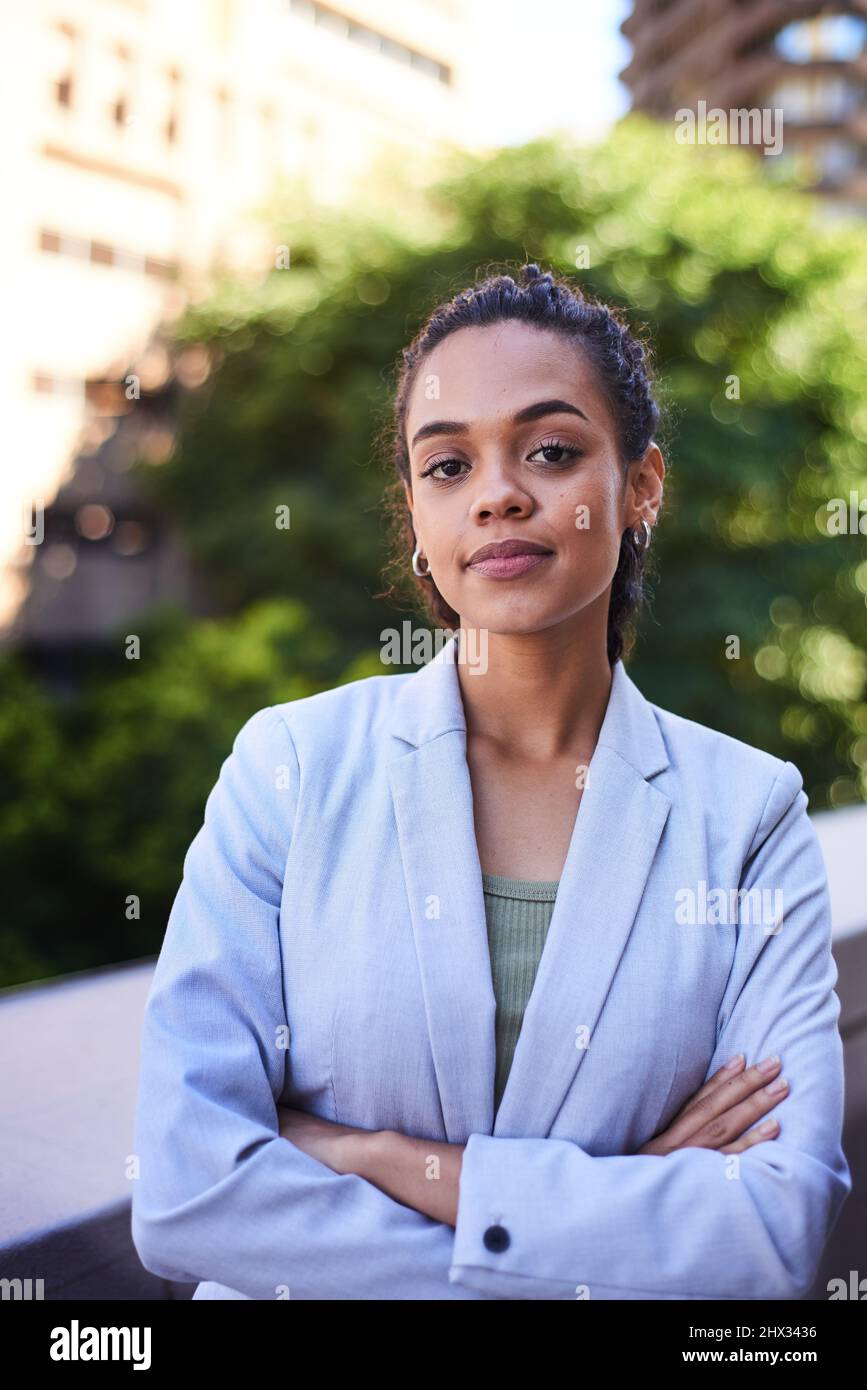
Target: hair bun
{"points": [[533, 275]]}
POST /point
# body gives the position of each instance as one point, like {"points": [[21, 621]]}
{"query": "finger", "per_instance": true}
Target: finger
{"points": [[749, 1080], [760, 1135], [724, 1097], [719, 1078], [674, 1134], [722, 1129]]}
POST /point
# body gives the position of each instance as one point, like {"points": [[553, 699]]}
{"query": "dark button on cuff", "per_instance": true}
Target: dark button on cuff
{"points": [[496, 1238]]}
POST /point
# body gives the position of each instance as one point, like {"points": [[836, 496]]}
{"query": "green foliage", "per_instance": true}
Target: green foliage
{"points": [[105, 792], [35, 833]]}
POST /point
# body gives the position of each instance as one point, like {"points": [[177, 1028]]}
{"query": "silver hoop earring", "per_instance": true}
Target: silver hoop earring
{"points": [[637, 537], [422, 574]]}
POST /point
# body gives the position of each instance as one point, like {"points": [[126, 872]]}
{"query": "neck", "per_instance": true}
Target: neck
{"points": [[543, 694]]}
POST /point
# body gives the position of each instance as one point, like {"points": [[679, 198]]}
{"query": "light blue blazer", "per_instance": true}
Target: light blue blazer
{"points": [[327, 949]]}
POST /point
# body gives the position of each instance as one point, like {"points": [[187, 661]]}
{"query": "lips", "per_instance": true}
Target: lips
{"points": [[504, 549], [509, 558]]}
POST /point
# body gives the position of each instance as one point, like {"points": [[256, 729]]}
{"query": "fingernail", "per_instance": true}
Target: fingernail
{"points": [[734, 1063], [768, 1127], [781, 1084], [769, 1063]]}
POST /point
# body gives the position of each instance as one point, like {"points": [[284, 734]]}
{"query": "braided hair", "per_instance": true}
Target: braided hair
{"points": [[623, 367]]}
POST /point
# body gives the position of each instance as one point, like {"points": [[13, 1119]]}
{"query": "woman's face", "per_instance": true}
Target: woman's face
{"points": [[510, 439]]}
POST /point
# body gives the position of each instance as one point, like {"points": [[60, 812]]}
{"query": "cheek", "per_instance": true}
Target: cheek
{"points": [[442, 529], [429, 525], [587, 513]]}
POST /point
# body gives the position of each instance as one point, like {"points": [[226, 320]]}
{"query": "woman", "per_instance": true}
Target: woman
{"points": [[478, 976]]}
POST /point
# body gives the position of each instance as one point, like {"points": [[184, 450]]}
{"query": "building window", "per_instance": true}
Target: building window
{"points": [[163, 270], [100, 253], [63, 61], [832, 38], [816, 99], [173, 106], [46, 384], [120, 86], [326, 17], [64, 245]]}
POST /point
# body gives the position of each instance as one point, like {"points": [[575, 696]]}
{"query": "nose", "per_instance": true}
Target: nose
{"points": [[498, 494]]}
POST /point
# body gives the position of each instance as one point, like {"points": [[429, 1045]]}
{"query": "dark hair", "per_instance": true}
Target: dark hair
{"points": [[623, 364]]}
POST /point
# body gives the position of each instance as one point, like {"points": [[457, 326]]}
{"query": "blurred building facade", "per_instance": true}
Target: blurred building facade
{"points": [[805, 58], [141, 137]]}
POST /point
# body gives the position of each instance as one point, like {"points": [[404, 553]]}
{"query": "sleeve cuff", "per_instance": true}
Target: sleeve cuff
{"points": [[504, 1221]]}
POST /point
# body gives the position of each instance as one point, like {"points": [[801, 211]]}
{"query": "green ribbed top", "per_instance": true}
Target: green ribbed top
{"points": [[518, 915]]}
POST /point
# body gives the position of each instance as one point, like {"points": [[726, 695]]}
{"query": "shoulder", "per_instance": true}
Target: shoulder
{"points": [[315, 739], [734, 778], [345, 714]]}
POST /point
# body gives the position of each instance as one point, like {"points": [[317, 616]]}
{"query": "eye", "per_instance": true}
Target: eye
{"points": [[556, 446], [446, 463]]}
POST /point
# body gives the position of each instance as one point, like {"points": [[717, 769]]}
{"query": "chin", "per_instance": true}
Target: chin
{"points": [[510, 618]]}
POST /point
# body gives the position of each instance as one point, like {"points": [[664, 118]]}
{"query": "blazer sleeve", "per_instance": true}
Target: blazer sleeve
{"points": [[694, 1224], [221, 1195]]}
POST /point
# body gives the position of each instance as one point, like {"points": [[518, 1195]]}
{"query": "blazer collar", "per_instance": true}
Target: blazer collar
{"points": [[614, 840], [430, 704]]}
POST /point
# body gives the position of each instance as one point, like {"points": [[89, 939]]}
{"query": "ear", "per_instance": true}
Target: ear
{"points": [[646, 479]]}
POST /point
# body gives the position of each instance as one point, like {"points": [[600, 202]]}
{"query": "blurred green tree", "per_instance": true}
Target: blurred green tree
{"points": [[104, 791]]}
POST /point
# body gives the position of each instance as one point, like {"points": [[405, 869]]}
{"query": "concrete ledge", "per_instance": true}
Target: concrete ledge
{"points": [[89, 1257], [67, 1099]]}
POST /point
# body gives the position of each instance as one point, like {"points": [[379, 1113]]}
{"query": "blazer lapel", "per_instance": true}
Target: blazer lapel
{"points": [[613, 844], [433, 807]]}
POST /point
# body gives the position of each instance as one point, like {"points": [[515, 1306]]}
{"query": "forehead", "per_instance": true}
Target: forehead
{"points": [[482, 372]]}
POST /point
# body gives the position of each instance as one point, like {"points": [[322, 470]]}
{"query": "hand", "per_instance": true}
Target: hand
{"points": [[718, 1116], [339, 1147]]}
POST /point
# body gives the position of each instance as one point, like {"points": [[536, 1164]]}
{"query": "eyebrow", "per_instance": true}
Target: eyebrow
{"points": [[522, 417]]}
